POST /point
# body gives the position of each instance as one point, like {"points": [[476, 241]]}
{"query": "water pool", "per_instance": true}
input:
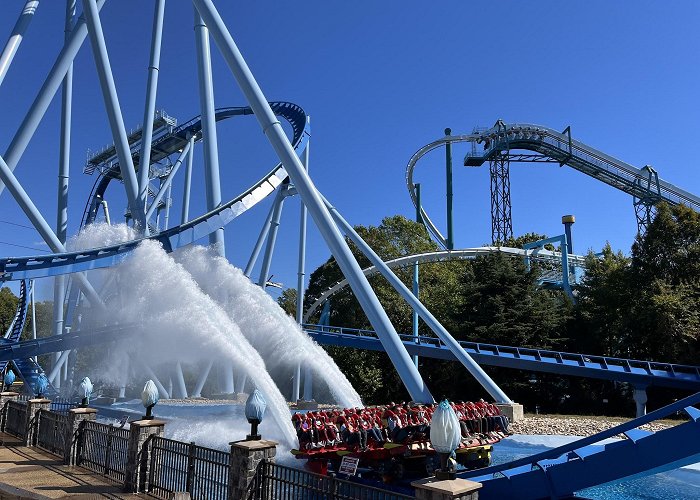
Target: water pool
{"points": [[679, 484]]}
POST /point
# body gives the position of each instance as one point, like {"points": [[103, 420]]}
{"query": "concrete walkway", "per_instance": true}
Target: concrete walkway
{"points": [[29, 473]]}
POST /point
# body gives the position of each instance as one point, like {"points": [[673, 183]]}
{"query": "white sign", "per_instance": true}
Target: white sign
{"points": [[349, 465]]}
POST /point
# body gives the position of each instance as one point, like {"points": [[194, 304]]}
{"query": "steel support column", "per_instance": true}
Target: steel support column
{"points": [[150, 107], [188, 185], [296, 381], [311, 198], [114, 114], [42, 227], [477, 372], [448, 177], [46, 93], [59, 284], [204, 374], [163, 188], [259, 242], [416, 274], [8, 53], [210, 145], [501, 222], [272, 236]]}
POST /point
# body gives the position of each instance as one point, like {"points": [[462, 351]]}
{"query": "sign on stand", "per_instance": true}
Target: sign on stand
{"points": [[349, 465]]}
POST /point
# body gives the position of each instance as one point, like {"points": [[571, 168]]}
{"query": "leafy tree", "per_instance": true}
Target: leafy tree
{"points": [[288, 301], [8, 307], [604, 298]]}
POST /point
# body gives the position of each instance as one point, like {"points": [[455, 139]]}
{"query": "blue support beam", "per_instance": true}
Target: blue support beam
{"points": [[273, 130], [114, 114]]}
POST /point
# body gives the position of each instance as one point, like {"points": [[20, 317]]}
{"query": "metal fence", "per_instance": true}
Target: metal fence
{"points": [[52, 432], [278, 482], [181, 467], [16, 418], [62, 405], [103, 448]]}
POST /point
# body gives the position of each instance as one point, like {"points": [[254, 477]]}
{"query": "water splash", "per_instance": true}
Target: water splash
{"points": [[273, 333], [177, 321]]}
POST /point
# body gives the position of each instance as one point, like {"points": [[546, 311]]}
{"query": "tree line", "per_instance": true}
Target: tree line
{"points": [[641, 306]]}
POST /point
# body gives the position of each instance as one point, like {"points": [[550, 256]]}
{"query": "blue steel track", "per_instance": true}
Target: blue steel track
{"points": [[41, 266]]}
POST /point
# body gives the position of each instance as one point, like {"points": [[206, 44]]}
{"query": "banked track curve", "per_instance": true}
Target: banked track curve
{"points": [[41, 266], [561, 148], [444, 256]]}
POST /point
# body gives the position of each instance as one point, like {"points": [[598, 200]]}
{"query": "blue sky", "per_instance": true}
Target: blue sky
{"points": [[380, 80]]}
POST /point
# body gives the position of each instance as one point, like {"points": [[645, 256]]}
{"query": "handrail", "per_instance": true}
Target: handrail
{"points": [[580, 443], [497, 350]]}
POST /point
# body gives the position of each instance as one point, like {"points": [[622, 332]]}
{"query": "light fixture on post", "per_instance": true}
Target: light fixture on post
{"points": [[40, 386], [149, 398], [85, 391], [8, 380], [254, 412], [445, 437]]}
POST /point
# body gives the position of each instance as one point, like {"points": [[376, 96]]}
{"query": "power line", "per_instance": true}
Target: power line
{"points": [[22, 246], [16, 224]]}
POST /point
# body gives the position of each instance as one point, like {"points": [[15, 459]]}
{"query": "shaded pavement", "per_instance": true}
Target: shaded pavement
{"points": [[30, 473]]}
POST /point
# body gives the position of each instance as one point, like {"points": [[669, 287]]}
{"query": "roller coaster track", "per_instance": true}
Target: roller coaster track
{"points": [[27, 369], [538, 255], [16, 268], [641, 373], [561, 148], [584, 463]]}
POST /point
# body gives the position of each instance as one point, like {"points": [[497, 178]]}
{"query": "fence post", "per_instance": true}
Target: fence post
{"points": [[5, 397], [449, 489], [76, 416], [190, 468], [137, 461], [247, 459], [32, 428]]}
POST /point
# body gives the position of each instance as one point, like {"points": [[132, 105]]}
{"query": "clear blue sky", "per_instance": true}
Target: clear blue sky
{"points": [[380, 80]]}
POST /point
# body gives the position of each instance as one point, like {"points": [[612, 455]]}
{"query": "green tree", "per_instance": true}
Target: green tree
{"points": [[8, 307], [288, 301]]}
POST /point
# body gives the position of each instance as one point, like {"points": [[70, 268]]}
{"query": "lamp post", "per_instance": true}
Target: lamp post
{"points": [[254, 412], [85, 391], [445, 436], [149, 398], [8, 380], [40, 386]]}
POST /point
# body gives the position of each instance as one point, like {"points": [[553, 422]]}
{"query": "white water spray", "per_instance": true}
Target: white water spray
{"points": [[273, 333], [176, 321]]}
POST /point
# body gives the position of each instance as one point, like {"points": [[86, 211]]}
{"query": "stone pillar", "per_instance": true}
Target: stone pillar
{"points": [[514, 411], [137, 462], [450, 489], [4, 398], [32, 429], [246, 461], [76, 417]]}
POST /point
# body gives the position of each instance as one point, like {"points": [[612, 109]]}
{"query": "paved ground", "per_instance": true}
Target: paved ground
{"points": [[29, 473]]}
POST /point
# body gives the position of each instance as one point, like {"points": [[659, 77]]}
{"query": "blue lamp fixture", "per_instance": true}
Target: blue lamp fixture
{"points": [[40, 386], [254, 412], [149, 398], [8, 380], [85, 391], [445, 436]]}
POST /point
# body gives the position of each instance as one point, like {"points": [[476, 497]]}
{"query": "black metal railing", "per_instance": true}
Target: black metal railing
{"points": [[278, 482], [103, 449], [16, 418], [62, 405], [52, 432], [182, 467]]}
